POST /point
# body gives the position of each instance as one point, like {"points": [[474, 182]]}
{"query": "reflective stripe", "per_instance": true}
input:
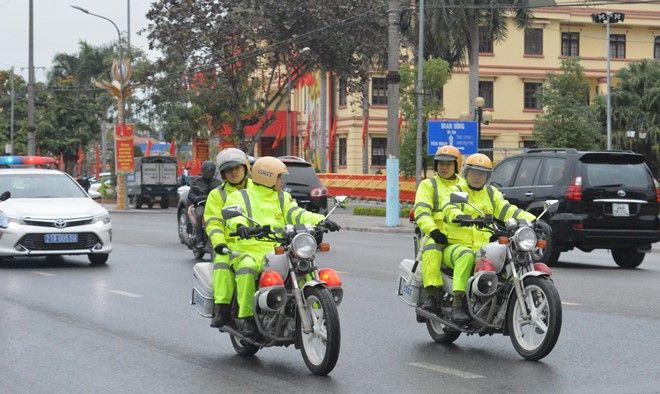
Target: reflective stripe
{"points": [[299, 216], [246, 199], [503, 212], [280, 197], [459, 187], [516, 213], [222, 266], [491, 195], [453, 251], [422, 204], [221, 220], [434, 183], [421, 215], [432, 247], [463, 252], [445, 206], [223, 194], [246, 271], [215, 231], [290, 212]]}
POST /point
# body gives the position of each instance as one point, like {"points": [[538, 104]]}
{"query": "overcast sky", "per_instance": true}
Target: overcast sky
{"points": [[59, 28]]}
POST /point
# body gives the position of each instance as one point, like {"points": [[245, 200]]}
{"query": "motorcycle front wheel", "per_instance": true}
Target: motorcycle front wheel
{"points": [[534, 337], [320, 348]]}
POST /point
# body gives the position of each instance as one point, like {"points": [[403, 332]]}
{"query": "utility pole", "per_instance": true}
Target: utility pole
{"points": [[128, 26], [31, 129], [393, 78], [365, 136], [324, 113], [11, 114], [420, 95], [287, 150]]}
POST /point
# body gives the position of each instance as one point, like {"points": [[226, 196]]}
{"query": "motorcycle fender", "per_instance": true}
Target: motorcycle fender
{"points": [[313, 283], [533, 273]]}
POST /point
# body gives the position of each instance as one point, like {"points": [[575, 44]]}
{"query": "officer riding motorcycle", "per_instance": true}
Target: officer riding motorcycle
{"points": [[200, 187]]}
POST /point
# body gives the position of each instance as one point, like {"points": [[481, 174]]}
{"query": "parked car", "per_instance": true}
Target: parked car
{"points": [[304, 185], [607, 199], [47, 213], [104, 177]]}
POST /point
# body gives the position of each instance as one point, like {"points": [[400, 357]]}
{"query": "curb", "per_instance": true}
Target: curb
{"points": [[395, 230]]}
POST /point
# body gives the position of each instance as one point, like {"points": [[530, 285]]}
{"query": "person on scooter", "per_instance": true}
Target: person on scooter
{"points": [[464, 241], [234, 169], [200, 187], [447, 164], [269, 205]]}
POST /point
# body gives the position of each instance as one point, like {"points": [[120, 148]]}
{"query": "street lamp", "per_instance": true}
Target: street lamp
{"points": [[481, 116], [641, 134]]}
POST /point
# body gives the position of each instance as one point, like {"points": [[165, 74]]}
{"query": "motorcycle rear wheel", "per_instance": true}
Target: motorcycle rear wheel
{"points": [[536, 337], [440, 333], [320, 348], [245, 350]]}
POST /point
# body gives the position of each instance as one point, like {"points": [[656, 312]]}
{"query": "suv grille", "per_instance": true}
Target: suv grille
{"points": [[36, 242]]}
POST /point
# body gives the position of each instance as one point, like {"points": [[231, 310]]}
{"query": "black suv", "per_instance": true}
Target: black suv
{"points": [[304, 185], [607, 199]]}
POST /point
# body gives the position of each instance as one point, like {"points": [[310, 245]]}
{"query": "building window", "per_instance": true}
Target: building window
{"points": [[378, 91], [529, 144], [378, 151], [343, 89], [656, 48], [531, 100], [618, 46], [342, 152], [534, 41], [486, 147], [485, 41], [486, 91], [570, 44]]}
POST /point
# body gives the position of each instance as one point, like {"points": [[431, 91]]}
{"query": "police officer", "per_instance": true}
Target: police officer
{"points": [[200, 187], [447, 164], [267, 204], [234, 169], [464, 241]]}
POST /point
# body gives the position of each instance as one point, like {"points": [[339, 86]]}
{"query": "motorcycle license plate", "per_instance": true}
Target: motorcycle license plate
{"points": [[60, 238], [620, 210]]}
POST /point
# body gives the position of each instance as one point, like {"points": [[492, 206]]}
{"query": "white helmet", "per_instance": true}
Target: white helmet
{"points": [[230, 158]]}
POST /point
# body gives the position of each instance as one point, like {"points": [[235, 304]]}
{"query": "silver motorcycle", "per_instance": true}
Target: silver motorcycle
{"points": [[295, 302], [508, 294]]}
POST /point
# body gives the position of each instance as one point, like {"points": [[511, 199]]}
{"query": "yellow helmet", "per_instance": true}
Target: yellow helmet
{"points": [[448, 153], [479, 161], [266, 170]]}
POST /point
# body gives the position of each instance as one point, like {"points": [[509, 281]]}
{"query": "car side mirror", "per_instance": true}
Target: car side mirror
{"points": [[231, 212], [458, 197], [96, 196], [5, 195]]}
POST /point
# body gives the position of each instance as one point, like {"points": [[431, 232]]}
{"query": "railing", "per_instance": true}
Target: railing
{"points": [[369, 187]]}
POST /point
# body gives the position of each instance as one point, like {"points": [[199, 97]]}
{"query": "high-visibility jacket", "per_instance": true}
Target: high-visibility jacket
{"points": [[490, 201], [427, 201], [215, 224], [267, 207]]}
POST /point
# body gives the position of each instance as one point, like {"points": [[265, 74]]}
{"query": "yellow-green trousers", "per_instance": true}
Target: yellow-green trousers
{"points": [[461, 260]]}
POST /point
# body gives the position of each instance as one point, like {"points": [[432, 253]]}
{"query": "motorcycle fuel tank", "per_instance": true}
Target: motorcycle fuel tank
{"points": [[494, 252], [278, 263]]}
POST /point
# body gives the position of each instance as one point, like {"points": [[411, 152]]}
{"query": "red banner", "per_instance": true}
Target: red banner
{"points": [[124, 148], [200, 149]]}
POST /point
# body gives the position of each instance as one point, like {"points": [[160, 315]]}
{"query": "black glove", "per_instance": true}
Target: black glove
{"points": [[330, 225], [218, 248], [493, 238], [438, 237], [461, 218], [243, 231]]}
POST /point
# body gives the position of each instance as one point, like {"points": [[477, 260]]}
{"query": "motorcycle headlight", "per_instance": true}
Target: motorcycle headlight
{"points": [[525, 239], [303, 245], [103, 219], [4, 220]]}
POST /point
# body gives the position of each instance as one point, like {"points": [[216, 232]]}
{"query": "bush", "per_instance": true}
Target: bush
{"points": [[378, 211]]}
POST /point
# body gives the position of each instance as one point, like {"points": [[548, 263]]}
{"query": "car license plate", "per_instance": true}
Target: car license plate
{"points": [[60, 238], [620, 210]]}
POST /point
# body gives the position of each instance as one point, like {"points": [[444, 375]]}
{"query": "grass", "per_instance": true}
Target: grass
{"points": [[378, 211]]}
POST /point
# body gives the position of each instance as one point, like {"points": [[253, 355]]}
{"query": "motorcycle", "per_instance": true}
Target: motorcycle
{"points": [[295, 302], [192, 239], [508, 293]]}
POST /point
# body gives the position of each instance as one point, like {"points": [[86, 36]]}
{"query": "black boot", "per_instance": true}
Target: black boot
{"points": [[432, 303], [247, 326], [458, 314], [221, 315]]}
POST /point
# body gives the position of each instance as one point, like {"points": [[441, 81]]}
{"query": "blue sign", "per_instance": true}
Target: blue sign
{"points": [[461, 134]]}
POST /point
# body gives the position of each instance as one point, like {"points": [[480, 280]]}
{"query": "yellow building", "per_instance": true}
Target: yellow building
{"points": [[510, 71]]}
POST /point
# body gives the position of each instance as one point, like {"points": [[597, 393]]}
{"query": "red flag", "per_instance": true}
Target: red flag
{"points": [[147, 151], [398, 129], [173, 148], [280, 135], [81, 158], [332, 136], [365, 130], [97, 161]]}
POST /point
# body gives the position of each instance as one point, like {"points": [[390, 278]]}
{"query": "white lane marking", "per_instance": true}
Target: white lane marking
{"points": [[43, 273], [144, 245], [570, 303], [448, 371], [126, 294]]}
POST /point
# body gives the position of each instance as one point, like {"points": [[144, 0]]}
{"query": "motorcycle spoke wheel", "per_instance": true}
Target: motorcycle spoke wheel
{"points": [[440, 333], [320, 347], [245, 350], [535, 334]]}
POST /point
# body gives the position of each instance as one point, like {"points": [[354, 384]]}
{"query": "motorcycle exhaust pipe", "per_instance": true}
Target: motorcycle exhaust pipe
{"points": [[484, 284], [271, 299]]}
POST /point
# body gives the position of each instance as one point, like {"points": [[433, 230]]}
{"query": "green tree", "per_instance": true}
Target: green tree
{"points": [[636, 105], [20, 111], [567, 119]]}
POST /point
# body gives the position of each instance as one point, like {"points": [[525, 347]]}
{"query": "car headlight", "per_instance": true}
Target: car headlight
{"points": [[525, 239], [4, 220], [104, 219], [303, 245]]}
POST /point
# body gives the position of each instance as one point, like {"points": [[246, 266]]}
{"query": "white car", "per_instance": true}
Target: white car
{"points": [[47, 213]]}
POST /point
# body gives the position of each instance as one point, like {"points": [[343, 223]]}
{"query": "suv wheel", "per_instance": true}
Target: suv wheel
{"points": [[628, 257]]}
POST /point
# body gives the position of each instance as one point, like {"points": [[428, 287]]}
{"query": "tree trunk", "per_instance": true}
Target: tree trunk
{"points": [[473, 60]]}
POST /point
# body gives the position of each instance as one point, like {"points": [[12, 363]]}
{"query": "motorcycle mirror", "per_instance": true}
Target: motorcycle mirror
{"points": [[458, 197], [550, 204], [342, 201], [231, 212], [5, 195]]}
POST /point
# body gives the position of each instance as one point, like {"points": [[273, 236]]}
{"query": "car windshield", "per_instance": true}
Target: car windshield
{"points": [[301, 175], [615, 175], [40, 186]]}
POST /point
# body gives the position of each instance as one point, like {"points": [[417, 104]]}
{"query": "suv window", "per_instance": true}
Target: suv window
{"points": [[301, 175], [552, 170], [604, 174], [503, 173], [527, 171]]}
